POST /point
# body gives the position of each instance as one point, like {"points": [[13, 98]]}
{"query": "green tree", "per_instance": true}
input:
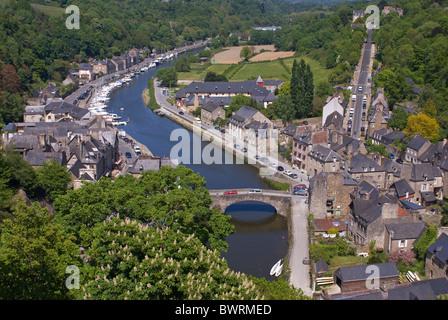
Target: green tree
{"points": [[34, 255], [245, 53], [284, 108], [427, 238], [53, 179], [399, 118], [213, 77], [430, 108], [168, 76], [129, 260], [172, 197]]}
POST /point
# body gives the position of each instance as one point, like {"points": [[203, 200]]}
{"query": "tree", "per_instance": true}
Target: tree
{"points": [[430, 108], [53, 179], [237, 102], [284, 108], [245, 53], [406, 256], [420, 123], [213, 77], [302, 88], [172, 197], [34, 255], [182, 64], [399, 118], [129, 260], [168, 76], [427, 238]]}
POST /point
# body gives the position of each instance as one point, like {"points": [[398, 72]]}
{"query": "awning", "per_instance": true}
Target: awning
{"points": [[428, 196]]}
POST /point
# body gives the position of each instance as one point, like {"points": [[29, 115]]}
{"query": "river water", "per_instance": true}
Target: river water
{"points": [[260, 237]]}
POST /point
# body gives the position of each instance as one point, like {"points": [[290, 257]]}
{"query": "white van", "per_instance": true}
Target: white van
{"points": [[354, 97], [364, 99], [255, 191]]}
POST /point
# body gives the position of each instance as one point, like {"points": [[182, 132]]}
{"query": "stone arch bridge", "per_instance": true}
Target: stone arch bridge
{"points": [[280, 200]]}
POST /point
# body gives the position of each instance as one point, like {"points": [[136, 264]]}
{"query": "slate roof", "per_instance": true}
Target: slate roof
{"points": [[242, 115], [391, 136], [417, 143], [410, 205], [410, 230], [359, 273], [359, 162], [250, 87], [424, 172], [348, 180], [37, 158], [323, 154], [209, 106], [401, 187], [431, 153], [321, 267], [63, 107], [304, 137], [428, 196], [290, 130], [428, 289], [144, 165], [335, 119], [440, 249]]}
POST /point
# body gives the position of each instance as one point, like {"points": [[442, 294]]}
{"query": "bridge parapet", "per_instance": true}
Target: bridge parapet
{"points": [[280, 200]]}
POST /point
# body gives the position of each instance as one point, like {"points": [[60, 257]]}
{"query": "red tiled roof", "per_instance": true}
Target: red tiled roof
{"points": [[322, 225]]}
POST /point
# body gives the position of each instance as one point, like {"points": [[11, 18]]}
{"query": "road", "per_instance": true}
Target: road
{"points": [[357, 122], [300, 273]]}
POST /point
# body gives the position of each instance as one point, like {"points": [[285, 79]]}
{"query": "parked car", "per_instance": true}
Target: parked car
{"points": [[128, 155], [280, 168], [300, 192], [399, 161], [264, 160], [300, 186], [181, 113], [255, 191], [306, 261], [231, 192], [392, 156], [294, 175], [287, 172]]}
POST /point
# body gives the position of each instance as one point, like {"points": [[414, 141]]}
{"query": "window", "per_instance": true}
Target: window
{"points": [[402, 243]]}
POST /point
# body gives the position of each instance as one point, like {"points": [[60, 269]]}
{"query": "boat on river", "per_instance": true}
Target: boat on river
{"points": [[277, 268]]}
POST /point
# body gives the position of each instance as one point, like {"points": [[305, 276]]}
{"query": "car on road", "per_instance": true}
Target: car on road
{"points": [[128, 155], [300, 192], [231, 192], [287, 172], [181, 113], [300, 186], [280, 168], [264, 160], [306, 261], [244, 149], [392, 156], [360, 88], [399, 161], [255, 191], [294, 175], [236, 146], [197, 120]]}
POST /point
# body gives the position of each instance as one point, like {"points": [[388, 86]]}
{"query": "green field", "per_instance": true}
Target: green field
{"points": [[51, 11], [268, 70]]}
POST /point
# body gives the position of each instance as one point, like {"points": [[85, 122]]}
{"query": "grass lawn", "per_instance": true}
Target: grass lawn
{"points": [[268, 70], [345, 261], [51, 11]]}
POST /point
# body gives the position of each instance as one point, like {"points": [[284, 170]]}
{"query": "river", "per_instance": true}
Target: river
{"points": [[260, 237]]}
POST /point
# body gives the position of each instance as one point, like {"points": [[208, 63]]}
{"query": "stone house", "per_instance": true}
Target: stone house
{"points": [[329, 194], [210, 112], [63, 111], [356, 278], [322, 159], [360, 167], [427, 181], [402, 190], [436, 263], [415, 148], [402, 236], [369, 217], [332, 106], [303, 143], [321, 227], [103, 67], [86, 71]]}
